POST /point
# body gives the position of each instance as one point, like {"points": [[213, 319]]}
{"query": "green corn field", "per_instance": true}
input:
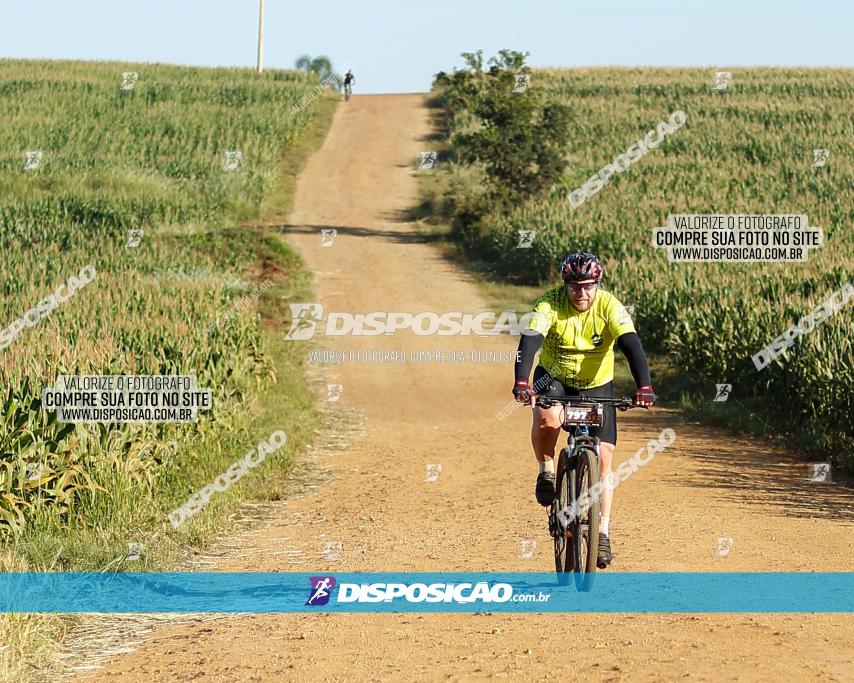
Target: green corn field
{"points": [[744, 150], [149, 158]]}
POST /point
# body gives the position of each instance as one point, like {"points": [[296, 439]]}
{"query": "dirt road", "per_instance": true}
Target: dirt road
{"points": [[376, 502]]}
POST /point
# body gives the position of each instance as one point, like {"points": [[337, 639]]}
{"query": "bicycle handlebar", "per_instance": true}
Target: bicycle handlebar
{"points": [[621, 404]]}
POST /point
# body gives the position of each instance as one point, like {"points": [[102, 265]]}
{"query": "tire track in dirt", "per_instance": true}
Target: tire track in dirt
{"points": [[377, 504]]}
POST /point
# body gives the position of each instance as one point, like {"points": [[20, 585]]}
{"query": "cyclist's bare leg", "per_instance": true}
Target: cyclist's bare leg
{"points": [[545, 431], [606, 455]]}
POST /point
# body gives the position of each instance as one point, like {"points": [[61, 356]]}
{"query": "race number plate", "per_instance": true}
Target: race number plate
{"points": [[584, 414]]}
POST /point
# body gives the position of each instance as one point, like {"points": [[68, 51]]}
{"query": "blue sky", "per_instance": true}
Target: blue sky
{"points": [[397, 45]]}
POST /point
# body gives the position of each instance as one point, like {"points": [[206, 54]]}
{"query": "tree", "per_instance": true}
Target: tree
{"points": [[322, 65], [521, 137]]}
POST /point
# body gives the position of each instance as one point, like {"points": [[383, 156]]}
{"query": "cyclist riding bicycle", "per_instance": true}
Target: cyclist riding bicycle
{"points": [[349, 79], [577, 326]]}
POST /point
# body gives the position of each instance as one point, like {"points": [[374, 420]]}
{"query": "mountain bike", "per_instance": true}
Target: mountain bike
{"points": [[574, 514], [348, 90]]}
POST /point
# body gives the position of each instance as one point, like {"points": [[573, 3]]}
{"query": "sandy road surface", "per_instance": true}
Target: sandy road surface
{"points": [[474, 517]]}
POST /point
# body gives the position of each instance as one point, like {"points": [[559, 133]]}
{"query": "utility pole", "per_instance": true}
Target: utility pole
{"points": [[261, 37]]}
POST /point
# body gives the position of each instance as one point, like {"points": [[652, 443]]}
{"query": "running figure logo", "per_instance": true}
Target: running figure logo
{"points": [[521, 84], [724, 546], [33, 160], [129, 79], [819, 157], [134, 238], [34, 471], [321, 590], [327, 235], [304, 318], [332, 550], [528, 547], [723, 391], [135, 550], [722, 80], [428, 159], [526, 238], [232, 160], [820, 472], [433, 472]]}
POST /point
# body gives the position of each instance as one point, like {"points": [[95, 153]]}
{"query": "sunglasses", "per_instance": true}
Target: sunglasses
{"points": [[577, 287]]}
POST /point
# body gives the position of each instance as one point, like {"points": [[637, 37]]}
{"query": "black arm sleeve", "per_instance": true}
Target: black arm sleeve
{"points": [[630, 345], [529, 344]]}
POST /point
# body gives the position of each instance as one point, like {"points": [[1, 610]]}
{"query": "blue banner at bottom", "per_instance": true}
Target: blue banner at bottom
{"points": [[425, 592]]}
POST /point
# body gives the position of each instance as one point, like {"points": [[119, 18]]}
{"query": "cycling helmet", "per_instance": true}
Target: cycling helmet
{"points": [[581, 266]]}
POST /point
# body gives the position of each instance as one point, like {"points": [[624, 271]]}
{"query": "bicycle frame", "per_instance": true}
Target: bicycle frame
{"points": [[579, 434], [577, 537]]}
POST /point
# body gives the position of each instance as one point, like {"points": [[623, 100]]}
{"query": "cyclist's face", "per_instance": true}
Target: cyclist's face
{"points": [[581, 294]]}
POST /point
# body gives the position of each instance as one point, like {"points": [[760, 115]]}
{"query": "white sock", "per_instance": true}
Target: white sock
{"points": [[603, 525], [547, 466]]}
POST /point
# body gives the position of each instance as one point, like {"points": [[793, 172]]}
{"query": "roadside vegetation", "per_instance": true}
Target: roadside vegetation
{"points": [[512, 159], [202, 293]]}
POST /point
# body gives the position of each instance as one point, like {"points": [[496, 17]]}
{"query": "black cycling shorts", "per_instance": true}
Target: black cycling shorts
{"points": [[608, 431]]}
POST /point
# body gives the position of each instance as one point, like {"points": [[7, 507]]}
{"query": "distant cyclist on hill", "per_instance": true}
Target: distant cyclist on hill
{"points": [[349, 80], [577, 326]]}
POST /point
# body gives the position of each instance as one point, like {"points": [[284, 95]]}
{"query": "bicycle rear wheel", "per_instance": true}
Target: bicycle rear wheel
{"points": [[585, 527]]}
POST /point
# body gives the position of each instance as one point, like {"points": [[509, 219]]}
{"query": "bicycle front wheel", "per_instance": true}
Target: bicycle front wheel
{"points": [[585, 526]]}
